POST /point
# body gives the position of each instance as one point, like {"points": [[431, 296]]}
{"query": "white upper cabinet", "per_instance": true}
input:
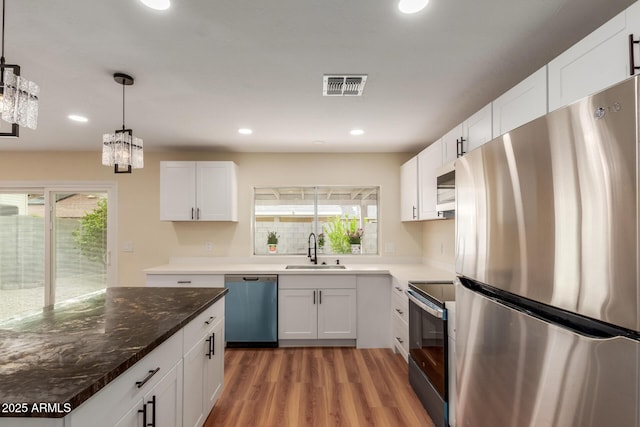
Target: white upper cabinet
{"points": [[409, 190], [477, 129], [468, 135], [451, 144], [633, 28], [521, 104], [429, 161], [198, 191], [598, 61]]}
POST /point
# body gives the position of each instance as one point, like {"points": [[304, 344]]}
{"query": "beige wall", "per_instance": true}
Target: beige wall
{"points": [[438, 241], [154, 241]]}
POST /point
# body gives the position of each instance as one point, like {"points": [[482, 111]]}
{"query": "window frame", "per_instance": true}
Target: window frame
{"points": [[315, 220]]}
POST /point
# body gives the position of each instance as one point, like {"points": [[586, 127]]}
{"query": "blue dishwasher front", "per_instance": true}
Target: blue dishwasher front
{"points": [[251, 311]]}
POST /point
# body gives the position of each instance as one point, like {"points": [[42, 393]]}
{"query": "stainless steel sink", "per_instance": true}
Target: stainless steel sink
{"points": [[315, 267]]}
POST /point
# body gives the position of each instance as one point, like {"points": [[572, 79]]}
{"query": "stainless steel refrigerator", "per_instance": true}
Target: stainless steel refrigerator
{"points": [[547, 257]]}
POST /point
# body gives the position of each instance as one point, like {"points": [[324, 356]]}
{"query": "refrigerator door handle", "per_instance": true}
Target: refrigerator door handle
{"points": [[431, 309]]}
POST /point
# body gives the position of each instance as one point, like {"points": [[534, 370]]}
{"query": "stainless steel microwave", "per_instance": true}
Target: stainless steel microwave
{"points": [[446, 188]]}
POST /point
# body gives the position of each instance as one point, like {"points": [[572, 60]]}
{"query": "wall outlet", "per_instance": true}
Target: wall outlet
{"points": [[127, 246], [208, 246], [389, 248]]}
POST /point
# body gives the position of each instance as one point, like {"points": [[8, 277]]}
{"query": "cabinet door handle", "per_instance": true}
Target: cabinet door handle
{"points": [[314, 297], [213, 344], [144, 414], [139, 384], [198, 213], [398, 288], [319, 297], [209, 341], [211, 319], [414, 212], [399, 311], [399, 340], [460, 147], [192, 213], [632, 62], [183, 282], [152, 402]]}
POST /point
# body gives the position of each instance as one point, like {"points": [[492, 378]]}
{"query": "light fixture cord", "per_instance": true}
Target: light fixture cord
{"points": [[2, 56], [122, 103]]}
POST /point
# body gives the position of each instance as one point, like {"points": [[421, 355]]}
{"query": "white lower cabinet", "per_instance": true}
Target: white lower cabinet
{"points": [[186, 280], [319, 307], [175, 385], [203, 365], [162, 405], [119, 403], [400, 318]]}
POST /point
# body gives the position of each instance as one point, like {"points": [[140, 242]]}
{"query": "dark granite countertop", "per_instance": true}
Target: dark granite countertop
{"points": [[66, 354]]}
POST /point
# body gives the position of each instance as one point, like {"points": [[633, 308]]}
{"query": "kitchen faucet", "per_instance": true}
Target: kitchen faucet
{"points": [[314, 258]]}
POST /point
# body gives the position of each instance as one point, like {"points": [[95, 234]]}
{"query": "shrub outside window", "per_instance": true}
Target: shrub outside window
{"points": [[344, 218]]}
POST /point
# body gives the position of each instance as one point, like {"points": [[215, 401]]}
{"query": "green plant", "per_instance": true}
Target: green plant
{"points": [[353, 232], [336, 230], [321, 240], [272, 238], [91, 234]]}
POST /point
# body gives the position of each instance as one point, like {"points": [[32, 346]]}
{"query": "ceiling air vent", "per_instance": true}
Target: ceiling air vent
{"points": [[349, 85]]}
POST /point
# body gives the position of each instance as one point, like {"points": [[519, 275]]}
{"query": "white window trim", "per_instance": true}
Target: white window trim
{"points": [[48, 187]]}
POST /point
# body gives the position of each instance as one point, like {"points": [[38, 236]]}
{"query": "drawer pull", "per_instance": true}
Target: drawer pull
{"points": [[139, 384], [398, 288], [399, 311], [211, 319], [399, 340], [183, 282]]}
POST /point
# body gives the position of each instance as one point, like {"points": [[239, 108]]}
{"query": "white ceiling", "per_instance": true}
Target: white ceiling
{"points": [[205, 68]]}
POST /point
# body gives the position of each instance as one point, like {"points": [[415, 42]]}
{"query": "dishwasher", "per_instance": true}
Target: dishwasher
{"points": [[251, 311]]}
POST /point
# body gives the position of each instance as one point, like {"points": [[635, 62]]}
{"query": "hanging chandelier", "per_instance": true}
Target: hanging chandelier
{"points": [[18, 96], [121, 149]]}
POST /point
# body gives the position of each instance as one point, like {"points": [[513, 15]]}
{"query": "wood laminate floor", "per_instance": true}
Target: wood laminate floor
{"points": [[316, 387]]}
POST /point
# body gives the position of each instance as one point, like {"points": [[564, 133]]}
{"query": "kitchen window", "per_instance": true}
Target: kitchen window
{"points": [[54, 246], [331, 212]]}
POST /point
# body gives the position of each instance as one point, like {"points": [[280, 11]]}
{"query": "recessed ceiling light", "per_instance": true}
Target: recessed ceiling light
{"points": [[245, 131], [157, 4], [77, 118], [412, 6], [356, 132]]}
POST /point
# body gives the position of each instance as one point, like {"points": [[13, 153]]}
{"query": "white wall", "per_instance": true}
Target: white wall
{"points": [[155, 242]]}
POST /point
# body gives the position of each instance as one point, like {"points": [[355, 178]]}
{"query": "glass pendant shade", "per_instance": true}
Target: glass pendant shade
{"points": [[19, 100], [122, 150]]}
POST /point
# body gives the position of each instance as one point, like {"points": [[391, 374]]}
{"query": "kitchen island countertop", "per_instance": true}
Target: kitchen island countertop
{"points": [[64, 355]]}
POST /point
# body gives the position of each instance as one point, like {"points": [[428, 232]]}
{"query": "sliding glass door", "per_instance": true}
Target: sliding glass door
{"points": [[22, 253], [79, 244], [54, 247]]}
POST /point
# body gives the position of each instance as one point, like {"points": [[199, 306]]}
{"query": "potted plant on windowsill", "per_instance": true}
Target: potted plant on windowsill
{"points": [[321, 243], [355, 236], [272, 242]]}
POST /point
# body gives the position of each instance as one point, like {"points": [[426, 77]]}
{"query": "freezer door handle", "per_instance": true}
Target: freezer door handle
{"points": [[433, 310]]}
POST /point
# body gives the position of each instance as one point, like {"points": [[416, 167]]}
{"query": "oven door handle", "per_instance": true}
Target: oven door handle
{"points": [[433, 310]]}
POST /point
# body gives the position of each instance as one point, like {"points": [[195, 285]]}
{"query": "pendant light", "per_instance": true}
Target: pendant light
{"points": [[121, 149], [18, 96]]}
